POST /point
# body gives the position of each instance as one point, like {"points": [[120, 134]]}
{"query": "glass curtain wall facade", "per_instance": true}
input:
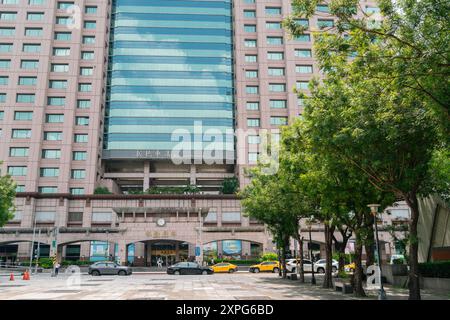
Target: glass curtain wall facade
{"points": [[170, 69]]}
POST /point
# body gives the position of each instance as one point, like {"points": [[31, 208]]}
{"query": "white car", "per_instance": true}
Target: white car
{"points": [[319, 266]]}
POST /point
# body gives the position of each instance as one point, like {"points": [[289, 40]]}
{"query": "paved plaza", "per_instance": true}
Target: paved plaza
{"points": [[159, 286]]}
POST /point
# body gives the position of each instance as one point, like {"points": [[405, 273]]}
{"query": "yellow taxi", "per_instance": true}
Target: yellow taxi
{"points": [[224, 267], [350, 267], [266, 266]]}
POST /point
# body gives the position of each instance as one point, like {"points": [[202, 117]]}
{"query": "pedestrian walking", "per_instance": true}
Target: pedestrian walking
{"points": [[57, 266], [159, 262]]}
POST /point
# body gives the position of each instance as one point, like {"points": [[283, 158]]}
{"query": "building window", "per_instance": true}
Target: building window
{"points": [[250, 58], [90, 9], [278, 121], [52, 135], [77, 191], [250, 28], [249, 14], [4, 80], [23, 115], [273, 25], [81, 138], [8, 16], [251, 73], [31, 48], [277, 87], [27, 81], [29, 64], [274, 41], [5, 63], [322, 8], [21, 133], [90, 25], [18, 152], [302, 22], [17, 171], [251, 89], [78, 174], [250, 43], [59, 67], [322, 23], [35, 16], [275, 56], [51, 154], [278, 104], [304, 69], [302, 85], [303, 38], [83, 104], [87, 55], [54, 118], [49, 172], [58, 84], [82, 121], [88, 40], [252, 157], [86, 71], [273, 11], [56, 101], [33, 32], [276, 72], [6, 47], [63, 36], [253, 122], [7, 31], [303, 53], [79, 155], [61, 52], [252, 106], [84, 87], [25, 98], [254, 139], [47, 190]]}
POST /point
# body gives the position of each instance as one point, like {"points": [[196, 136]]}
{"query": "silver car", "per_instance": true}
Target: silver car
{"points": [[108, 268]]}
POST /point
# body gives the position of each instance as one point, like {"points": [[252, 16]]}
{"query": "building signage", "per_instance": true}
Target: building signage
{"points": [[161, 234], [232, 247]]}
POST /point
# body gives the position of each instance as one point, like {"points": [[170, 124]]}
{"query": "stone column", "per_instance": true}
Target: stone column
{"points": [[123, 252], [146, 183]]}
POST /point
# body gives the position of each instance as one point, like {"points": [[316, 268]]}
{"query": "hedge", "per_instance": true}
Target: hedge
{"points": [[438, 269], [237, 262]]}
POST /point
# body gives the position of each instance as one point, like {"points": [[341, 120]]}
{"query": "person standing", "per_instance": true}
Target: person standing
{"points": [[57, 266]]}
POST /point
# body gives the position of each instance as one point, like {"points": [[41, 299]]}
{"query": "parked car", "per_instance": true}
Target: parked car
{"points": [[108, 268], [188, 268], [319, 266], [291, 265], [224, 267], [266, 266], [397, 258]]}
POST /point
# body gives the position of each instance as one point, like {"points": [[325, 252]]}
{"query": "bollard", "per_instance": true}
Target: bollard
{"points": [[11, 277]]}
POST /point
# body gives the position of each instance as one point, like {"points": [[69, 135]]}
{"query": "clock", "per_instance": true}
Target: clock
{"points": [[160, 222]]}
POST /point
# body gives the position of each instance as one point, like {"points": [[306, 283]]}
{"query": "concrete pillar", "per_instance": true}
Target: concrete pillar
{"points": [[85, 250], [146, 183], [246, 249], [23, 250], [193, 174], [122, 252], [177, 251]]}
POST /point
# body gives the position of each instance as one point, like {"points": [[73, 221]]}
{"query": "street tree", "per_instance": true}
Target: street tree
{"points": [[7, 195]]}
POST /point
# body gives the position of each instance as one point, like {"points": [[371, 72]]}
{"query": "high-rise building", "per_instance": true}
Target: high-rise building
{"points": [[159, 102]]}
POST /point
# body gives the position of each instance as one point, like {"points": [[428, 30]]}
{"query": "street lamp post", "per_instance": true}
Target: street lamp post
{"points": [[374, 211], [313, 278]]}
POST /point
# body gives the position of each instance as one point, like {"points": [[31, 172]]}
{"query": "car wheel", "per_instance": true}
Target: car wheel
{"points": [[204, 272], [276, 270], [177, 273], [122, 273], [95, 273], [334, 269], [256, 270], [231, 270], [320, 270]]}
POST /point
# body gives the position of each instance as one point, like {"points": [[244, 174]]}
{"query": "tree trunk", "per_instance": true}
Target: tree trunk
{"points": [[358, 273], [283, 257], [413, 277], [340, 247], [300, 270], [328, 279]]}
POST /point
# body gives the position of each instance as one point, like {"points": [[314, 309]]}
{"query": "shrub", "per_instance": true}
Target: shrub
{"points": [[438, 269], [230, 185], [269, 256], [102, 190]]}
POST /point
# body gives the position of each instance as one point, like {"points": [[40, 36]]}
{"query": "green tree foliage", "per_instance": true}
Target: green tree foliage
{"points": [[383, 106], [7, 195], [230, 185]]}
